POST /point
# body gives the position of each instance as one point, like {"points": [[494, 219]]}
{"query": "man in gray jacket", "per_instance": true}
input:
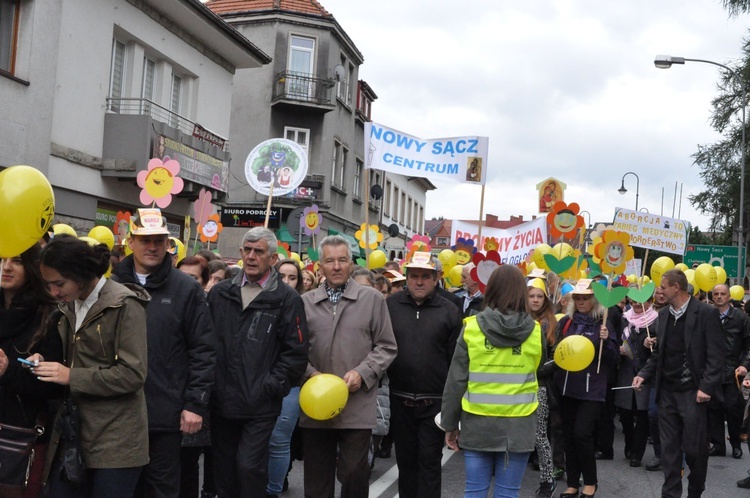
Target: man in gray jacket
{"points": [[351, 337]]}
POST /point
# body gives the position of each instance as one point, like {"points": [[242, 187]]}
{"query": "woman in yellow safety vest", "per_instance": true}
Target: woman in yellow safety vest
{"points": [[492, 388]]}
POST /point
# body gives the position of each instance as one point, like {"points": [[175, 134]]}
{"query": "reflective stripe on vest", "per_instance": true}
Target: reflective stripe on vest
{"points": [[502, 381]]}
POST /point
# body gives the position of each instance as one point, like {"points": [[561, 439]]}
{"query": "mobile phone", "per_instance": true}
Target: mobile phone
{"points": [[29, 363]]}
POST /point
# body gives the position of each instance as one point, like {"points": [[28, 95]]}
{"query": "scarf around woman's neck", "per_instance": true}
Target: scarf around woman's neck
{"points": [[640, 320]]}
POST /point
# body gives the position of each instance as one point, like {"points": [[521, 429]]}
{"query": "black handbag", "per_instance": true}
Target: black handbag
{"points": [[69, 423], [16, 457]]}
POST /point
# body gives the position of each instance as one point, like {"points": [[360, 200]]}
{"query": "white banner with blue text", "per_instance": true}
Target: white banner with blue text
{"points": [[459, 159]]}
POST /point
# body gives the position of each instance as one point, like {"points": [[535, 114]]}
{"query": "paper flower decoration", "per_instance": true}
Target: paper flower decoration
{"points": [[159, 182], [203, 207], [464, 249], [284, 250], [310, 220], [419, 243], [210, 230], [484, 266], [374, 237], [491, 244], [122, 226], [613, 251], [564, 220]]}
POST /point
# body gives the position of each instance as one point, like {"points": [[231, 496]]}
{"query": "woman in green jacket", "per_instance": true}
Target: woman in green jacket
{"points": [[103, 328]]}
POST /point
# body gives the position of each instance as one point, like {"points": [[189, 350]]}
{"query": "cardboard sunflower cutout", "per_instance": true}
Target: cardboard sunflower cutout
{"points": [[613, 251]]}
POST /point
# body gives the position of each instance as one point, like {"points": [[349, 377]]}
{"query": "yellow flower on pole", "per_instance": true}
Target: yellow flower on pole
{"points": [[613, 251], [374, 237]]}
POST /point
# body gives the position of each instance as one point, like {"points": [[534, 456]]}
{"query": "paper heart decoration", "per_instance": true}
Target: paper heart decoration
{"points": [[203, 207], [609, 297], [643, 294], [559, 265], [484, 266], [312, 254]]}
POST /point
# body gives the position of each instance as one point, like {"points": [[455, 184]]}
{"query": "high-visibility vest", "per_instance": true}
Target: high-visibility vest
{"points": [[502, 381]]}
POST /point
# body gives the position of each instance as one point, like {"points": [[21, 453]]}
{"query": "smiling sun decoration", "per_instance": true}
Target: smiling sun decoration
{"points": [[310, 220], [564, 220], [613, 251], [160, 181]]}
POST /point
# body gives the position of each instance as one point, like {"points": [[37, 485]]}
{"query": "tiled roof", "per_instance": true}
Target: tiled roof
{"points": [[310, 7]]}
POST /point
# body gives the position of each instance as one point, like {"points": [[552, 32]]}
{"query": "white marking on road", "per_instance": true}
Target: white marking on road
{"points": [[385, 481]]}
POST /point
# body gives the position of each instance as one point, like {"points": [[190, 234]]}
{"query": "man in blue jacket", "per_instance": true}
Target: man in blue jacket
{"points": [[180, 351], [261, 335]]}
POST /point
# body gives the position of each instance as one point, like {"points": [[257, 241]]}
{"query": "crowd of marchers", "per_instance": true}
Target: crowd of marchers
{"points": [[133, 367]]}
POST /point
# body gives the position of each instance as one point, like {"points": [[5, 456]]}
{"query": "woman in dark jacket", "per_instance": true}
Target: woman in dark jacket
{"points": [[640, 321], [541, 309], [583, 393], [104, 333], [27, 326]]}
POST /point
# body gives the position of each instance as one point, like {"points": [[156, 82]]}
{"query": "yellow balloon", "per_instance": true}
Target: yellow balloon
{"points": [[104, 235], [377, 259], [323, 396], [538, 256], [63, 229], [681, 266], [632, 278], [721, 275], [127, 250], [659, 267], [530, 266], [27, 206], [454, 276], [705, 277], [737, 292], [559, 316], [448, 258], [690, 274], [562, 250], [294, 256], [574, 353]]}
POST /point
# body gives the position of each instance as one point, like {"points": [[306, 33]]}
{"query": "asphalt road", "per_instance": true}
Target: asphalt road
{"points": [[616, 478]]}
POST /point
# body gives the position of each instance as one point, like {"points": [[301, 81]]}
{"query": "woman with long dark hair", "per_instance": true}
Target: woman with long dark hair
{"points": [[583, 393], [542, 310], [27, 327], [280, 444], [492, 388], [104, 336]]}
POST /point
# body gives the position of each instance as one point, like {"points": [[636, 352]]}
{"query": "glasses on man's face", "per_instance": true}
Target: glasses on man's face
{"points": [[582, 297]]}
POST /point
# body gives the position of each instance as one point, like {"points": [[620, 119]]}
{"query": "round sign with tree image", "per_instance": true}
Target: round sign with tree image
{"points": [[278, 162]]}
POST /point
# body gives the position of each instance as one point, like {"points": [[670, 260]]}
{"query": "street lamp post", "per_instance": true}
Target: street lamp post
{"points": [[665, 62], [623, 190]]}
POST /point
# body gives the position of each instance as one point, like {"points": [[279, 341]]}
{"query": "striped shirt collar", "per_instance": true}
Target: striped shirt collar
{"points": [[261, 283]]}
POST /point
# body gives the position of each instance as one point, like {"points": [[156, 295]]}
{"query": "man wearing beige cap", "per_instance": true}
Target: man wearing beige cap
{"points": [[180, 350], [426, 326]]}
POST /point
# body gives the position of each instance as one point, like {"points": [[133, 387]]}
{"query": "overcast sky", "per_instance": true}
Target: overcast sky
{"points": [[562, 88]]}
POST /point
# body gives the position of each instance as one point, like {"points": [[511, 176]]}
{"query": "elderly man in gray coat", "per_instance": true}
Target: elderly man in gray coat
{"points": [[351, 337]]}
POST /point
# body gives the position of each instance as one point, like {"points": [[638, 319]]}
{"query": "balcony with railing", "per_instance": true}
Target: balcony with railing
{"points": [[146, 107], [309, 91]]}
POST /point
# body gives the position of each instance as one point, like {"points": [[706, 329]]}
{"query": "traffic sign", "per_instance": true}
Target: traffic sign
{"points": [[724, 256]]}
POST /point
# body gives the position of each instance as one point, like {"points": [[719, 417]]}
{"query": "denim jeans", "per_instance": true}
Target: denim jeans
{"points": [[507, 467], [278, 447]]}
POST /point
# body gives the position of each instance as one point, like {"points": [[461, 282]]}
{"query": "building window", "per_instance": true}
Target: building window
{"points": [[342, 89], [9, 15], [409, 213], [301, 60], [116, 75], [174, 104], [335, 164], [443, 241], [300, 136], [421, 219], [358, 166], [402, 213], [147, 88], [387, 198], [342, 169], [349, 79], [395, 204]]}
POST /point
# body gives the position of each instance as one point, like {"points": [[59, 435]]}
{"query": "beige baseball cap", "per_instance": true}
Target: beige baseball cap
{"points": [[149, 222]]}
